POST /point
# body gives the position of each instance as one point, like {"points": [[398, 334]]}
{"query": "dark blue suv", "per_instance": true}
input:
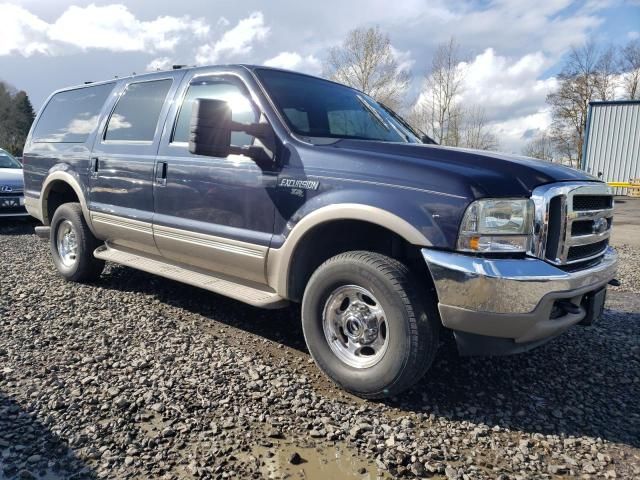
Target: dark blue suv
{"points": [[271, 187]]}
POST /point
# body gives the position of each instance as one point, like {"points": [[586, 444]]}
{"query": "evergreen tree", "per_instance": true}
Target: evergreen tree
{"points": [[16, 117]]}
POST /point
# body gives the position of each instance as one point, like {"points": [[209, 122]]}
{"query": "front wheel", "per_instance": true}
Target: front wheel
{"points": [[72, 245], [365, 326]]}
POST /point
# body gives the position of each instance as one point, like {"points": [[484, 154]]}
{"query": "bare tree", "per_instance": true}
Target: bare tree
{"points": [[585, 77], [541, 147], [437, 111], [366, 61], [564, 142], [606, 74], [476, 132], [629, 65]]}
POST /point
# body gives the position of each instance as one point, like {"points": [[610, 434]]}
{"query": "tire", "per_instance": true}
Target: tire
{"points": [[406, 342], [80, 266]]}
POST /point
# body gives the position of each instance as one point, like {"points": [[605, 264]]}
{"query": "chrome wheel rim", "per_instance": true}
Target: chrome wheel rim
{"points": [[67, 242], [355, 326]]}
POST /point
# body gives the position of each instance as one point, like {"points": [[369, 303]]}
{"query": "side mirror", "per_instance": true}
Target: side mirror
{"points": [[428, 140], [210, 129], [210, 133]]}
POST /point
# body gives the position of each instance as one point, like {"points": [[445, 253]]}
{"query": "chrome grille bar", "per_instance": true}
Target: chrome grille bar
{"points": [[554, 217]]}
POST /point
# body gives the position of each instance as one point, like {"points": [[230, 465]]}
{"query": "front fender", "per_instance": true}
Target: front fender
{"points": [[422, 218], [412, 215]]}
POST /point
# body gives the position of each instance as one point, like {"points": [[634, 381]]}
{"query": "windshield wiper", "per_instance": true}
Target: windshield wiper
{"points": [[374, 113], [416, 131]]}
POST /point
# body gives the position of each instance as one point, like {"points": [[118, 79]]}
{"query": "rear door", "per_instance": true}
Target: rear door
{"points": [[213, 213], [123, 161]]}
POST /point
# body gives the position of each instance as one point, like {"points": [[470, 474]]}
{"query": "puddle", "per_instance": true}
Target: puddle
{"points": [[317, 463]]}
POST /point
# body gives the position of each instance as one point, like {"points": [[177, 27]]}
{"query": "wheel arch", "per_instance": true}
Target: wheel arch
{"points": [[58, 188], [284, 271]]}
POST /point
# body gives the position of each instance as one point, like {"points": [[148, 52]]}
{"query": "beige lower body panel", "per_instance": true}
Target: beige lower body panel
{"points": [[124, 232], [208, 252], [201, 251], [244, 291]]}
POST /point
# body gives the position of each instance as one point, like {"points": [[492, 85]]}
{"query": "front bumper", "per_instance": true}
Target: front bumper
{"points": [[13, 205], [500, 306]]}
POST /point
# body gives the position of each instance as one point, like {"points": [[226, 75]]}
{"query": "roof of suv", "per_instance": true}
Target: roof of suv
{"points": [[236, 66]]}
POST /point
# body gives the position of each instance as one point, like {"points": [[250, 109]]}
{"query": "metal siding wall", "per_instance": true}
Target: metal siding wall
{"points": [[613, 142]]}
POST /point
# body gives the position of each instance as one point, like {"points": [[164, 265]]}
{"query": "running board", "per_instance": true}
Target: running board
{"points": [[257, 296]]}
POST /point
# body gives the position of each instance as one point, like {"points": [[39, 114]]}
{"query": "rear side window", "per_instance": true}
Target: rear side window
{"points": [[71, 116], [217, 89], [136, 115]]}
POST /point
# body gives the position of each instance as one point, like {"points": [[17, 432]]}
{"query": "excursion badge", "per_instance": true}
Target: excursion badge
{"points": [[298, 183]]}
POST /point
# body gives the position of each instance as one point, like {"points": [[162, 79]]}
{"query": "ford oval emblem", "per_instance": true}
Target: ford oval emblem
{"points": [[600, 225], [6, 189]]}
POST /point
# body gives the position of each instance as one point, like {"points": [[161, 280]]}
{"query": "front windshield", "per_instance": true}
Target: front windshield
{"points": [[316, 108], [7, 161]]}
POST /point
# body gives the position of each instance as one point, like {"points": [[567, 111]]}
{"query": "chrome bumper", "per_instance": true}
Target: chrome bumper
{"points": [[511, 298], [14, 214]]}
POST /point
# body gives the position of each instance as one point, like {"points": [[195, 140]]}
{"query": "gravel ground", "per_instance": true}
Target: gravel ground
{"points": [[139, 377], [628, 269]]}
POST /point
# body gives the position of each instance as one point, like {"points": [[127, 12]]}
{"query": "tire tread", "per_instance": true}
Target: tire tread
{"points": [[89, 268], [422, 318]]}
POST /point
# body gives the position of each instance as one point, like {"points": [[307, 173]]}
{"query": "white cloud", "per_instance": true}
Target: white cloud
{"points": [[514, 133], [404, 59], [236, 41], [109, 27], [506, 86], [510, 91], [21, 32], [118, 122], [295, 61], [633, 35], [223, 22], [161, 63], [114, 27], [83, 125]]}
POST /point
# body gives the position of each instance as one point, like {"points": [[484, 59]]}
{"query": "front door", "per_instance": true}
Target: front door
{"points": [[123, 161], [213, 213]]}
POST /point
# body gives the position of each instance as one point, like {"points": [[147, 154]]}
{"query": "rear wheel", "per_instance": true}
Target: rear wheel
{"points": [[72, 245], [365, 325]]}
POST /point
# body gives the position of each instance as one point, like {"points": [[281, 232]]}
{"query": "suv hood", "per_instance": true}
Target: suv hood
{"points": [[486, 173], [11, 177]]}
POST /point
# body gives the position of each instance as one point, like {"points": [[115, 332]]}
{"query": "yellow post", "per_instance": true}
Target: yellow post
{"points": [[632, 186]]}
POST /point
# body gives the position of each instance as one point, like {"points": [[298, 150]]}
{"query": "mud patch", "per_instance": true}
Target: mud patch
{"points": [[315, 463]]}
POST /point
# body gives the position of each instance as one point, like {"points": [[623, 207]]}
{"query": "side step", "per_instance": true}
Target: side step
{"points": [[43, 232], [256, 295]]}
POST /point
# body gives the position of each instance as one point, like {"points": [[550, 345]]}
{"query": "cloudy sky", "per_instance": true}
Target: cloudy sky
{"points": [[515, 47]]}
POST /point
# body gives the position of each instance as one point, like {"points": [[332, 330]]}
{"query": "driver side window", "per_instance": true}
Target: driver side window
{"points": [[241, 108]]}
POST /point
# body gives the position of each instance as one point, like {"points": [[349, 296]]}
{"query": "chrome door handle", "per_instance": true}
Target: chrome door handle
{"points": [[161, 173], [95, 165]]}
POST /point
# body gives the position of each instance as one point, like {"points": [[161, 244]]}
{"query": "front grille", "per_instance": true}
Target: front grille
{"points": [[572, 222], [592, 202], [556, 222], [586, 251], [13, 193], [585, 227]]}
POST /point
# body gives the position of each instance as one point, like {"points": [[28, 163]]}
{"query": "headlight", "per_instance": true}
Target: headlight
{"points": [[496, 225]]}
